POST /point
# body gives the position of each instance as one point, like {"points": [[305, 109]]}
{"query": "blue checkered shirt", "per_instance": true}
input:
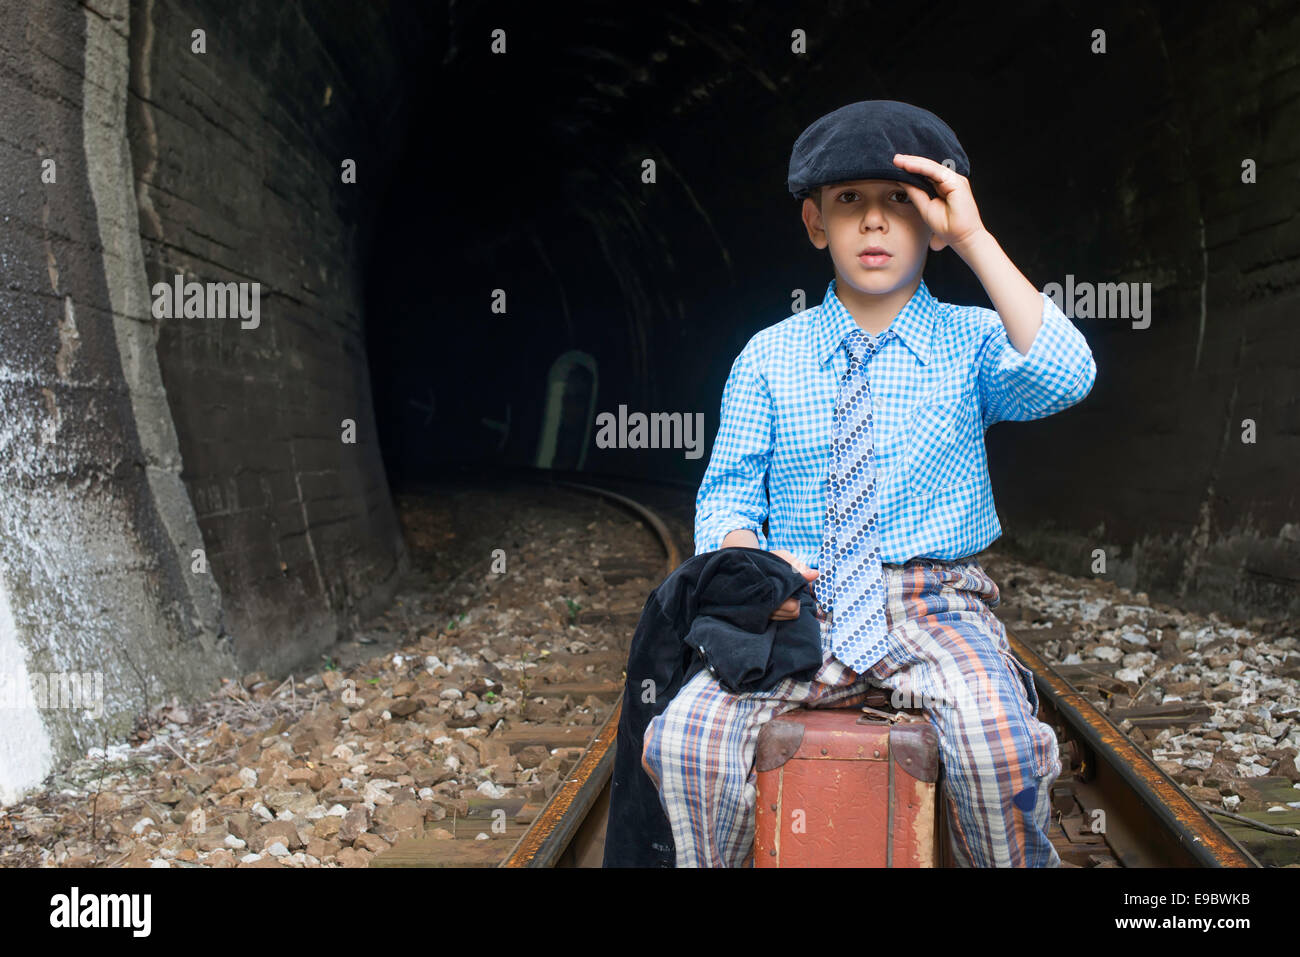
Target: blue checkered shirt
{"points": [[944, 374]]}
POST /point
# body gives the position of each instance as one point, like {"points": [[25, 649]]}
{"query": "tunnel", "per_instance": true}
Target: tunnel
{"points": [[267, 265]]}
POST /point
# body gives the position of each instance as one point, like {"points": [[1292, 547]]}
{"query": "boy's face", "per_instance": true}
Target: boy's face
{"points": [[865, 214]]}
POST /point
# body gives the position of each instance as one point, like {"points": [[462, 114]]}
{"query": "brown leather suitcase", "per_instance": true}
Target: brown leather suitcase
{"points": [[838, 787]]}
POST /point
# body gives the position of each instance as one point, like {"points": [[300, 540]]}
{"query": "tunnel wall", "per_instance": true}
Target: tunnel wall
{"points": [[238, 156], [176, 500], [1159, 468], [95, 524]]}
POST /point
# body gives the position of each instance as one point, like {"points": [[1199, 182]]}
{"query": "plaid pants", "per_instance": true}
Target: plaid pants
{"points": [[948, 654]]}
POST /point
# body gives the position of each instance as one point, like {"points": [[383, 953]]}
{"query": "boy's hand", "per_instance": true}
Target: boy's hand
{"points": [[789, 609], [952, 216]]}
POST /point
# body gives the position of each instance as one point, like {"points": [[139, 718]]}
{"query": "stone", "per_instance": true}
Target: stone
{"points": [[372, 842], [198, 782], [532, 756], [404, 707], [1223, 692], [279, 800], [241, 825], [321, 849], [404, 817], [281, 831], [351, 857], [221, 858], [355, 823], [211, 840], [310, 777]]}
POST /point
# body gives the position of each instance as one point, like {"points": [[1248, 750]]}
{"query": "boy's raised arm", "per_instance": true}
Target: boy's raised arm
{"points": [[1036, 362], [733, 494], [1056, 372]]}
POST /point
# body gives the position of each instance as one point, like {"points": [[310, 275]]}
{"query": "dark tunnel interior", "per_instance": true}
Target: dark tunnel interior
{"points": [[521, 178], [523, 173]]}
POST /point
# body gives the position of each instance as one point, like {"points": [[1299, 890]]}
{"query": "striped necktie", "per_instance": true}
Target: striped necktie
{"points": [[851, 540]]}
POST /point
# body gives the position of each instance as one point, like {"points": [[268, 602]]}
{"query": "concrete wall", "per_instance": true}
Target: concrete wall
{"points": [[129, 442], [1152, 467], [95, 525], [237, 154]]}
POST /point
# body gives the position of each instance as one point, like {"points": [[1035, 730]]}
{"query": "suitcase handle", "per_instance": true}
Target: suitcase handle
{"points": [[887, 717]]}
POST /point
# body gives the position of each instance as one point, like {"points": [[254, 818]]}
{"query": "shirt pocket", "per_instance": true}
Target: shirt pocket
{"points": [[942, 450]]}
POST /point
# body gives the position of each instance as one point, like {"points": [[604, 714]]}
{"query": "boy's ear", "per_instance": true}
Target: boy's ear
{"points": [[812, 221]]}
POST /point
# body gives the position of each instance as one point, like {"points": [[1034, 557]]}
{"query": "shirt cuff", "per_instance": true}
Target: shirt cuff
{"points": [[1057, 371], [715, 529]]}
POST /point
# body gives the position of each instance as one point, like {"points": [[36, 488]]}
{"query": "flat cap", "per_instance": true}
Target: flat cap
{"points": [[859, 141]]}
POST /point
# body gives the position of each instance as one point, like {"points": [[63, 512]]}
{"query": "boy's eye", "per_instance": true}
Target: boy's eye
{"points": [[852, 197]]}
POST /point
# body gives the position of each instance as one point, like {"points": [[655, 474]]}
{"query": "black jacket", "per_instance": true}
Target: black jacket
{"points": [[713, 611]]}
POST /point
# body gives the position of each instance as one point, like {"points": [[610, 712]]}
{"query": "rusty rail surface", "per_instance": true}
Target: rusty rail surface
{"points": [[1151, 821], [559, 822]]}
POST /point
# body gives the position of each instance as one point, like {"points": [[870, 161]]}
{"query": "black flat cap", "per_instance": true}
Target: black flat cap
{"points": [[859, 141]]}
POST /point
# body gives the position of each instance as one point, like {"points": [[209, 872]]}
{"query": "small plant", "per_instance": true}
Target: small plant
{"points": [[330, 663], [574, 608], [372, 681]]}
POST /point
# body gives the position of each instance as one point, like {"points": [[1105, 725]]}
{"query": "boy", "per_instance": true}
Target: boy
{"points": [[855, 429]]}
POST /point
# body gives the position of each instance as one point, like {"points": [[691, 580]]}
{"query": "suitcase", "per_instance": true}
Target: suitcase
{"points": [[840, 787]]}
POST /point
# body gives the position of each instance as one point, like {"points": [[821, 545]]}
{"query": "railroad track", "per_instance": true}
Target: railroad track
{"points": [[1113, 806]]}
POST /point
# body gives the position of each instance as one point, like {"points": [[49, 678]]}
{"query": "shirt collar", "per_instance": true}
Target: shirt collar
{"points": [[912, 325]]}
